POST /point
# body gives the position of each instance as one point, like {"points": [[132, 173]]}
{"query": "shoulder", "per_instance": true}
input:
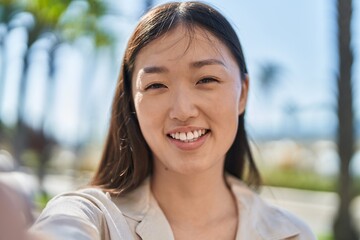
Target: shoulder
{"points": [[78, 204], [305, 233], [72, 214], [268, 220], [88, 213]]}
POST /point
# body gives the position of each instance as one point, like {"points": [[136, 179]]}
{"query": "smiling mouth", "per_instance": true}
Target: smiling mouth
{"points": [[190, 136]]}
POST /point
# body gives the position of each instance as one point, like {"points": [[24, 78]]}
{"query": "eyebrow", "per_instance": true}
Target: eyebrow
{"points": [[206, 62], [155, 69], [196, 64]]}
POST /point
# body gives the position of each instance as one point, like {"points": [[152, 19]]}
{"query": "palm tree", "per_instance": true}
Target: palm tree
{"points": [[44, 22], [64, 26], [66, 29], [343, 225], [8, 11], [58, 21]]}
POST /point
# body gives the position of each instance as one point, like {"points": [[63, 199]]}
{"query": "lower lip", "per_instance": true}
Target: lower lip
{"points": [[188, 146]]}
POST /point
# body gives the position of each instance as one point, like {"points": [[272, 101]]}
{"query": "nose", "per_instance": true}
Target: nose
{"points": [[183, 105]]}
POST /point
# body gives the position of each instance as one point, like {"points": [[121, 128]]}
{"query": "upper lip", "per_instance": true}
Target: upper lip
{"points": [[185, 129]]}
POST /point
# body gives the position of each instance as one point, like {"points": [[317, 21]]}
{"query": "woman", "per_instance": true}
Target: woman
{"points": [[177, 147]]}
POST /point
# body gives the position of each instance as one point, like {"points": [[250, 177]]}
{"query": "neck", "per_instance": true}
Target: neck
{"points": [[194, 199]]}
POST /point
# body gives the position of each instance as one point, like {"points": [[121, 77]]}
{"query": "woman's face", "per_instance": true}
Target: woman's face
{"points": [[188, 96]]}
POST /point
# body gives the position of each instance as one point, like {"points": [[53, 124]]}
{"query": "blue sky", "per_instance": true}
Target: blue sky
{"points": [[298, 36]]}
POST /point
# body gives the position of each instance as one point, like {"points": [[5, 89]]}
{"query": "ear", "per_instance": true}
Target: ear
{"points": [[244, 94]]}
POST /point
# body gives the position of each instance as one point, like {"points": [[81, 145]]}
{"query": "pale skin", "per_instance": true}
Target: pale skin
{"points": [[13, 223], [182, 88]]}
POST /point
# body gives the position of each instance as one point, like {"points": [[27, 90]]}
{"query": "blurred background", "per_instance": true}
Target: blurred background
{"points": [[59, 61]]}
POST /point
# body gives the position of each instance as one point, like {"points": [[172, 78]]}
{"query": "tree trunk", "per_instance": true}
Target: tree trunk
{"points": [[21, 129], [21, 135], [3, 69], [343, 226], [47, 143]]}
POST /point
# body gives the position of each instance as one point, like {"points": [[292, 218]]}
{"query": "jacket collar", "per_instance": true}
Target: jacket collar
{"points": [[257, 220], [141, 206]]}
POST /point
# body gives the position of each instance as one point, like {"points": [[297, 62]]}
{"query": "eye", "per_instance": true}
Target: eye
{"points": [[207, 80], [155, 86]]}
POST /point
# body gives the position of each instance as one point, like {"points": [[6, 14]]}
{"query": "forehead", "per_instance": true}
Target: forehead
{"points": [[194, 42]]}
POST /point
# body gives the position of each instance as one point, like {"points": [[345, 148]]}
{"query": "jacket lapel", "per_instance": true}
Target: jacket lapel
{"points": [[141, 206], [154, 225], [257, 219]]}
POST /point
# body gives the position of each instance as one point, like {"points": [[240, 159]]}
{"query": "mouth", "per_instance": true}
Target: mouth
{"points": [[190, 136]]}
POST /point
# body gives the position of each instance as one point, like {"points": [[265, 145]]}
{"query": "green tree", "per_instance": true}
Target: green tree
{"points": [[55, 17], [79, 19], [64, 21], [46, 15], [8, 11]]}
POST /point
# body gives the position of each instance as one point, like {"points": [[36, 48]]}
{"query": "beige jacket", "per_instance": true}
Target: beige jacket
{"points": [[90, 214]]}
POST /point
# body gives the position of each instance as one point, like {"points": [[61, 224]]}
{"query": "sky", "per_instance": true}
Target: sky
{"points": [[298, 36]]}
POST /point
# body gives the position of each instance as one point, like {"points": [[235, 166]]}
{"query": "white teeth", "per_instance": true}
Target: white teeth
{"points": [[182, 136], [188, 136], [196, 134]]}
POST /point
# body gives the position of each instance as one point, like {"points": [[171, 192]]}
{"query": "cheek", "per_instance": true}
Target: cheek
{"points": [[149, 113], [228, 102], [141, 111]]}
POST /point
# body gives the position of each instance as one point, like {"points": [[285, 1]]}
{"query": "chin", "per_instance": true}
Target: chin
{"points": [[190, 169]]}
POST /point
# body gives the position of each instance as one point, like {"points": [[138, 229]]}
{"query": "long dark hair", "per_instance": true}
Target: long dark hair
{"points": [[127, 159]]}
